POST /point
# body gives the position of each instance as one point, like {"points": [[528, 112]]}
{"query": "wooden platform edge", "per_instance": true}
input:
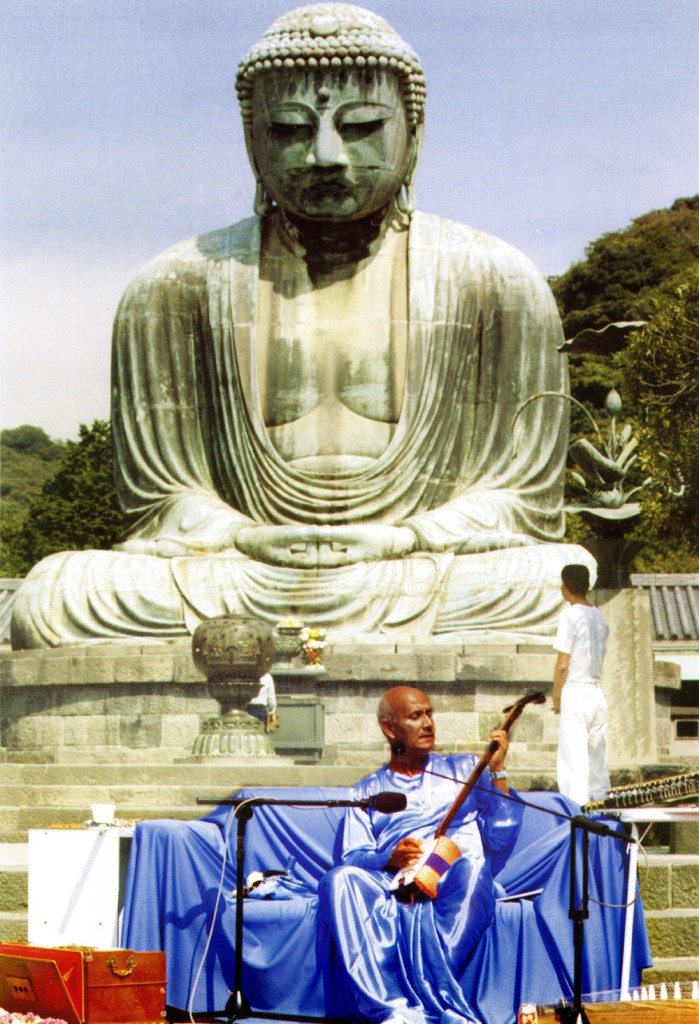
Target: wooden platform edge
{"points": [[650, 1011]]}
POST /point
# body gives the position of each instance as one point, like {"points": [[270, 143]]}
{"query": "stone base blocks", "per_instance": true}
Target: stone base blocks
{"points": [[130, 702]]}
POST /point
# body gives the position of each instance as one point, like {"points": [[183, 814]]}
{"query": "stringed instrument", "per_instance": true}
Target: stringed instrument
{"points": [[420, 880], [663, 1003]]}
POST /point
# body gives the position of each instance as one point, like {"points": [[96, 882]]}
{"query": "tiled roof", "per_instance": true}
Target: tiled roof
{"points": [[674, 601]]}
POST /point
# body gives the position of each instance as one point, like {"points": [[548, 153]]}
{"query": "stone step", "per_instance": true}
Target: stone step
{"points": [[674, 932], [126, 794], [122, 796], [684, 969], [14, 887], [15, 822], [275, 772], [670, 880], [13, 926]]}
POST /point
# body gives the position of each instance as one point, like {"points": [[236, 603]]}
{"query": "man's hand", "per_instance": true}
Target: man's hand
{"points": [[497, 761], [405, 854], [312, 547]]}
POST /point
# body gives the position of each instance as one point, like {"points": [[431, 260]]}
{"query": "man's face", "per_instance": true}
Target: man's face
{"points": [[330, 146], [413, 721]]}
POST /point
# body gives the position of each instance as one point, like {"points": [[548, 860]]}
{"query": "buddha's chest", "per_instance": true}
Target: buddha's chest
{"points": [[342, 344]]}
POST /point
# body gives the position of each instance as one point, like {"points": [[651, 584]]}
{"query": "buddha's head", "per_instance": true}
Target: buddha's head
{"points": [[333, 107]]}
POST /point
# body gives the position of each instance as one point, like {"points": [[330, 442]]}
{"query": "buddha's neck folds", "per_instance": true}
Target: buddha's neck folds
{"points": [[330, 245]]}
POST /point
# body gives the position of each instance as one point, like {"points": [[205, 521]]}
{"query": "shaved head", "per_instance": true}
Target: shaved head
{"points": [[394, 699]]}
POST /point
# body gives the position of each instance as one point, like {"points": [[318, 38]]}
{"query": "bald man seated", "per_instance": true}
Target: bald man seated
{"points": [[401, 962]]}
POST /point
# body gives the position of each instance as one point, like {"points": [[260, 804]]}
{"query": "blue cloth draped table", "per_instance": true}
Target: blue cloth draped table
{"points": [[525, 954]]}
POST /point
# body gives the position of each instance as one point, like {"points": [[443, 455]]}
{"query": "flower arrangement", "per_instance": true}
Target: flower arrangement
{"points": [[296, 640], [312, 644], [26, 1018]]}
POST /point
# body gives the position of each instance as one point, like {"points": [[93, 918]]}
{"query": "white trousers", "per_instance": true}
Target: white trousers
{"points": [[583, 774]]}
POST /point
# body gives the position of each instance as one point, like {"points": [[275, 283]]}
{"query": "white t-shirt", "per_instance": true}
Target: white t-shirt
{"points": [[267, 696], [582, 633]]}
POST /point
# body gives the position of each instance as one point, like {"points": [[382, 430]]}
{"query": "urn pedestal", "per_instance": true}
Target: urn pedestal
{"points": [[233, 652]]}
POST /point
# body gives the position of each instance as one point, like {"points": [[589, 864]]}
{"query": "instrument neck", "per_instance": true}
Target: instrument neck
{"points": [[485, 759]]}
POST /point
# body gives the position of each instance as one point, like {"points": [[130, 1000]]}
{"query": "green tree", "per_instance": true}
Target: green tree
{"points": [[77, 507], [661, 375], [625, 271], [29, 457], [622, 275]]}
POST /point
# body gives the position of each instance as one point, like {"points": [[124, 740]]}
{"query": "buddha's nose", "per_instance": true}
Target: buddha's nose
{"points": [[328, 148]]}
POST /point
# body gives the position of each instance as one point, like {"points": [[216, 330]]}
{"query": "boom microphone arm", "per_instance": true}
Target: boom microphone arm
{"points": [[388, 802]]}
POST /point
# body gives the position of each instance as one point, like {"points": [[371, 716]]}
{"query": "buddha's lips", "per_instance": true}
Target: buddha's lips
{"points": [[315, 181]]}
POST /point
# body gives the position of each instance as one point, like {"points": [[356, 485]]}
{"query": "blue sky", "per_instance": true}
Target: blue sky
{"points": [[549, 122]]}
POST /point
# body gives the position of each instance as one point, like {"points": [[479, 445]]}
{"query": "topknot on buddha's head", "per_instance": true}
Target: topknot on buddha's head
{"points": [[326, 36]]}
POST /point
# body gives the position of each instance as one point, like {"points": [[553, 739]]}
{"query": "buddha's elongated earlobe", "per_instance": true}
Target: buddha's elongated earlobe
{"points": [[263, 203], [405, 200]]}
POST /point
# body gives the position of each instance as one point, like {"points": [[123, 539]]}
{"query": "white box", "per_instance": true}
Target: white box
{"points": [[76, 886]]}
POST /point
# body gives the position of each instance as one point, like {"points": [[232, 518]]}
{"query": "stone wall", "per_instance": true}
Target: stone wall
{"points": [[123, 702]]}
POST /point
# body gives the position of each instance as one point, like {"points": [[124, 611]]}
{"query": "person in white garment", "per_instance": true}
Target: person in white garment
{"points": [[264, 705], [581, 640]]}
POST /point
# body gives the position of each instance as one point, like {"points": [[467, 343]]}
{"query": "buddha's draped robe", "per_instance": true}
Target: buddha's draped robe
{"points": [[192, 452]]}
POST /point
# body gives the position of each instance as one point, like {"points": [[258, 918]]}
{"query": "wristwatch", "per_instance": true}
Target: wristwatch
{"points": [[498, 775]]}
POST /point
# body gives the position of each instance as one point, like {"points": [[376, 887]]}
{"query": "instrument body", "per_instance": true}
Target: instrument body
{"points": [[420, 880]]}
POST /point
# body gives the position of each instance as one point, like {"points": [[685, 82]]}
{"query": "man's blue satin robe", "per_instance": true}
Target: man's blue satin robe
{"points": [[397, 958]]}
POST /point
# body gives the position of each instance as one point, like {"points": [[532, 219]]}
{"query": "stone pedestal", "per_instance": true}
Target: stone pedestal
{"points": [[630, 675], [236, 736], [147, 703]]}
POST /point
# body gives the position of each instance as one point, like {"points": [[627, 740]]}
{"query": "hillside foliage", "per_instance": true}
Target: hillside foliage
{"points": [[661, 371], [644, 272], [75, 508]]}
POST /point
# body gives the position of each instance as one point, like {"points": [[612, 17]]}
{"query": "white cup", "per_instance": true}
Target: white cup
{"points": [[103, 814]]}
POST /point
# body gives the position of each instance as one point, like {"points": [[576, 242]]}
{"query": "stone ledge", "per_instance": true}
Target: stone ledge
{"points": [[100, 664], [676, 932], [13, 926]]}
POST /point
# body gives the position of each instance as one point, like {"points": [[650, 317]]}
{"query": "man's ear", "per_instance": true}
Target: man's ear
{"points": [[387, 729]]}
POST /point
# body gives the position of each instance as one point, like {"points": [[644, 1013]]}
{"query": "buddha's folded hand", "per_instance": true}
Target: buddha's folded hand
{"points": [[307, 547]]}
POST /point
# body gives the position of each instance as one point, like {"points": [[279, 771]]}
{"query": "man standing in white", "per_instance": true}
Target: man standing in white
{"points": [[581, 640]]}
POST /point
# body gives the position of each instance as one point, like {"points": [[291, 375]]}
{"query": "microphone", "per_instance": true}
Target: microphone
{"points": [[599, 828], [398, 748], [387, 802]]}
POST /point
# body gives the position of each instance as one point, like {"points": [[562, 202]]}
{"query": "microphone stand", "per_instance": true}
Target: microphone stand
{"points": [[578, 913], [238, 1006]]}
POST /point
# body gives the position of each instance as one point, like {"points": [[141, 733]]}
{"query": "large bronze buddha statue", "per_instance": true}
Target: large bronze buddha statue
{"points": [[312, 409]]}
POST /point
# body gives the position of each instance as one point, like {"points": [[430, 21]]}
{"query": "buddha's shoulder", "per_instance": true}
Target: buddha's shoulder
{"points": [[462, 242], [193, 257]]}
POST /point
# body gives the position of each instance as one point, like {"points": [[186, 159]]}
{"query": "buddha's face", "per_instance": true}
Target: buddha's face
{"points": [[330, 146]]}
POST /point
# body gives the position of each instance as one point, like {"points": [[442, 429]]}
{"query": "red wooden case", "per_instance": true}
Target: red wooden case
{"points": [[83, 986]]}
